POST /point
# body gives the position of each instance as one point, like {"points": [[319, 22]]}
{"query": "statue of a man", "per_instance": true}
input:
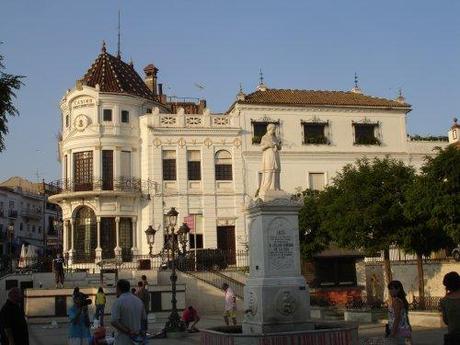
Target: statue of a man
{"points": [[271, 167]]}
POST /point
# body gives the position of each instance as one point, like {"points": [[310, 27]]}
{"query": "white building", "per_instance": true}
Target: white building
{"points": [[129, 154], [24, 206]]}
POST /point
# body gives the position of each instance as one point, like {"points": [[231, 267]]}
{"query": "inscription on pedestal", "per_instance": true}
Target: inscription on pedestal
{"points": [[280, 245]]}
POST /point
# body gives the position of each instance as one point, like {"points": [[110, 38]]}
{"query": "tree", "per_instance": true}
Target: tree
{"points": [[312, 238], [364, 207], [432, 207], [8, 84]]}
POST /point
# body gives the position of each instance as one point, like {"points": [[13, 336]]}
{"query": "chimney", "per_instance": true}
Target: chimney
{"points": [[151, 78], [161, 97]]}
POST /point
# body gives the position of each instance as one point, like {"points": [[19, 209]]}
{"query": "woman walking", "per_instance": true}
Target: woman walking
{"points": [[79, 333], [100, 305], [398, 318]]}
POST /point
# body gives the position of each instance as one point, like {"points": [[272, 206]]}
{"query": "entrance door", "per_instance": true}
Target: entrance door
{"points": [[226, 242]]}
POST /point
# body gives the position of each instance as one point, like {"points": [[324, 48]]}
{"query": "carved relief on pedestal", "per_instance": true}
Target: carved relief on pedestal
{"points": [[280, 244], [286, 303], [251, 311]]}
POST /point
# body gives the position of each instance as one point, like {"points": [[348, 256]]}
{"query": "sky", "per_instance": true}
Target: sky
{"points": [[298, 44]]}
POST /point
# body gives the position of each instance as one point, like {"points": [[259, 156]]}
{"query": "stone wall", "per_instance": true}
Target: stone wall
{"points": [[406, 272]]}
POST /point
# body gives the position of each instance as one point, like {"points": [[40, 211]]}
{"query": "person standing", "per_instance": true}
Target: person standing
{"points": [[58, 268], [230, 304], [144, 295], [79, 333], [100, 305], [450, 307], [145, 282], [13, 321], [398, 318], [128, 314]]}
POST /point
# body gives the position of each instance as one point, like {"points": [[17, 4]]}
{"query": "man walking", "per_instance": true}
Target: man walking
{"points": [[58, 268], [12, 320], [230, 304], [128, 314]]}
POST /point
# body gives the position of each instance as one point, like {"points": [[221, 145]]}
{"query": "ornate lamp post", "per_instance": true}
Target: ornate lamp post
{"points": [[150, 233], [174, 323]]}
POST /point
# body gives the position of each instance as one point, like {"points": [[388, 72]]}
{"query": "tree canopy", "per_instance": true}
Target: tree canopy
{"points": [[8, 84]]}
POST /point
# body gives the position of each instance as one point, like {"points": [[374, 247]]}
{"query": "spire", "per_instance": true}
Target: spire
{"points": [[400, 97], [119, 35], [103, 47], [261, 86], [356, 88]]}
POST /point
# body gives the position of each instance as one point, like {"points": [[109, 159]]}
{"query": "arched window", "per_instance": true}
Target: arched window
{"points": [[223, 164], [85, 236]]}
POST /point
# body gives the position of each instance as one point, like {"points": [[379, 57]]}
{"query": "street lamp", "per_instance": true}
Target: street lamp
{"points": [[10, 238], [174, 323], [150, 233]]}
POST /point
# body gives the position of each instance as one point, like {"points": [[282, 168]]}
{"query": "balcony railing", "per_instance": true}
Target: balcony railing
{"points": [[12, 214], [31, 213], [122, 184]]}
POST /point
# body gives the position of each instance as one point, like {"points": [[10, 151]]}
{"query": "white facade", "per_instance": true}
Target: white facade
{"points": [[140, 196]]}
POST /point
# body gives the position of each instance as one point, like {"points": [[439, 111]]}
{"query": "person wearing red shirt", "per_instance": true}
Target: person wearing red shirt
{"points": [[190, 316]]}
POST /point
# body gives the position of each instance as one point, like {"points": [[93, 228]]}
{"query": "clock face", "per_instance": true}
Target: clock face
{"points": [[81, 122]]}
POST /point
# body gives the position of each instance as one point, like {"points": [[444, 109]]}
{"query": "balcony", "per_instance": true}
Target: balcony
{"points": [[31, 213], [12, 214], [92, 185]]}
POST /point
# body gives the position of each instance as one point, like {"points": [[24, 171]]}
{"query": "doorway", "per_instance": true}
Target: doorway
{"points": [[226, 242]]}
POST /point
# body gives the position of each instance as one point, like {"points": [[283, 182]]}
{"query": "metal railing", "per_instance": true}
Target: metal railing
{"points": [[429, 303], [121, 184]]}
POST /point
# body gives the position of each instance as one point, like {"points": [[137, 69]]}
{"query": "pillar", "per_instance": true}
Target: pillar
{"points": [[117, 232], [65, 235], [98, 234], [134, 249], [72, 242]]}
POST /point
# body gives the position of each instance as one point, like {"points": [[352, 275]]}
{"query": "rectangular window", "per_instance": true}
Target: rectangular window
{"points": [[316, 181], [125, 164], [365, 134], [223, 166], [194, 165], [107, 115], [107, 169], [11, 204], [125, 116], [83, 171], [314, 133], [169, 165], [259, 130]]}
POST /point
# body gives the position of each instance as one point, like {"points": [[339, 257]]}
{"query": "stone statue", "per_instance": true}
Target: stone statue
{"points": [[270, 167]]}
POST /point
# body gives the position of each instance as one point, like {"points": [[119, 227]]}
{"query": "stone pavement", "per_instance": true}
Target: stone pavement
{"points": [[39, 335]]}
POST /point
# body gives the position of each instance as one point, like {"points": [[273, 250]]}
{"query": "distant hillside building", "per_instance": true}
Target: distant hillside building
{"points": [[129, 153], [24, 208]]}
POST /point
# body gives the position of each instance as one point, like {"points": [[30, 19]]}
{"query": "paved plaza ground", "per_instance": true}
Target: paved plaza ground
{"points": [[45, 336]]}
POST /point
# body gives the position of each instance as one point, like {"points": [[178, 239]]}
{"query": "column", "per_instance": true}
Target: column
{"points": [[72, 242], [117, 231], [98, 234], [134, 249], [65, 234]]}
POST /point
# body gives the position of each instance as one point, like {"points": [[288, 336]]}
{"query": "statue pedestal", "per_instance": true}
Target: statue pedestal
{"points": [[276, 295]]}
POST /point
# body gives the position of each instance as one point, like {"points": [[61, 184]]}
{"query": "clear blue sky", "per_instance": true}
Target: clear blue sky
{"points": [[413, 44]]}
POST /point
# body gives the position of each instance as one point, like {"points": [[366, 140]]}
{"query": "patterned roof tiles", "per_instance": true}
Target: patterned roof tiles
{"points": [[316, 97], [115, 76]]}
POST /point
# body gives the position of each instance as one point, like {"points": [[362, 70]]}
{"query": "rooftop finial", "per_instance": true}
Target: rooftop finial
{"points": [[261, 86], [241, 96], [356, 88], [119, 35], [131, 62], [400, 98], [103, 47]]}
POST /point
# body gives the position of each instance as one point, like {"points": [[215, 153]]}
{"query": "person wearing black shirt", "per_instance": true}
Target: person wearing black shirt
{"points": [[12, 320]]}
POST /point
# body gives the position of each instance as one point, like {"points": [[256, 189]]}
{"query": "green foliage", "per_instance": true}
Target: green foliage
{"points": [[433, 202], [8, 83], [312, 239], [363, 208], [363, 140], [256, 139], [316, 140]]}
